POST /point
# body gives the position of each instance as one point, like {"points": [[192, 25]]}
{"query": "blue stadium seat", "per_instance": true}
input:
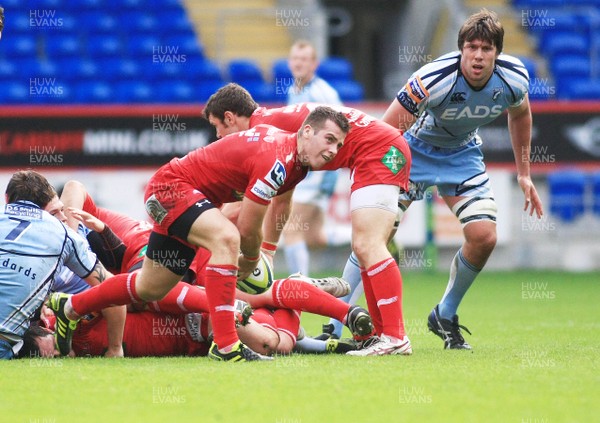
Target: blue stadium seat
{"points": [[556, 43], [203, 70], [207, 88], [19, 23], [186, 43], [96, 22], [579, 89], [166, 71], [48, 4], [571, 66], [8, 70], [132, 91], [82, 5], [348, 90], [567, 194], [177, 92], [19, 46], [144, 47], [61, 45], [80, 69], [178, 22], [533, 4], [261, 91], [116, 68], [34, 68], [15, 92], [281, 71], [140, 22], [244, 70], [541, 89], [105, 45], [337, 68], [94, 91]]}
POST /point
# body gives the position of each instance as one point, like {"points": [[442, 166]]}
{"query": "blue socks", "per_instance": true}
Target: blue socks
{"points": [[462, 275], [296, 257], [352, 276]]}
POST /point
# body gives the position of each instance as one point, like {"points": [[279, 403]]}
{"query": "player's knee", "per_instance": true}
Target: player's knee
{"points": [[226, 242], [487, 241], [286, 344], [269, 341]]}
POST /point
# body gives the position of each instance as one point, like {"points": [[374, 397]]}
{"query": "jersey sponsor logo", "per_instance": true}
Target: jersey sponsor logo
{"points": [[23, 210], [496, 93], [478, 112], [262, 190], [251, 135], [394, 160], [10, 263], [407, 102], [416, 90], [458, 97], [277, 174]]}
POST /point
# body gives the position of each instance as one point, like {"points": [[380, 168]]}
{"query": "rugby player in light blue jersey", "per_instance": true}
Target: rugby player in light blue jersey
{"points": [[441, 108], [33, 246]]}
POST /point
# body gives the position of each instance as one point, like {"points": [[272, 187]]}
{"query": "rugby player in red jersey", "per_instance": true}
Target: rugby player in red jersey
{"points": [[379, 159], [183, 199], [292, 293]]}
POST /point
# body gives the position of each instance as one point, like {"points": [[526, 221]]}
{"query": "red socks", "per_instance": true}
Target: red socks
{"points": [[183, 298], [299, 295], [371, 302], [118, 290], [220, 280], [386, 285]]}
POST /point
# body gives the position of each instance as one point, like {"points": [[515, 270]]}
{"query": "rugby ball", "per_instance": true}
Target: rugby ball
{"points": [[261, 278]]}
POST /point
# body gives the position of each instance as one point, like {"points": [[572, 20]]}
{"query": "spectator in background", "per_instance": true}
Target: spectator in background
{"points": [[311, 197], [1, 20]]}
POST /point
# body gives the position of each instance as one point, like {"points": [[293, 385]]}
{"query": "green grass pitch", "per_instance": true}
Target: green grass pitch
{"points": [[536, 339]]}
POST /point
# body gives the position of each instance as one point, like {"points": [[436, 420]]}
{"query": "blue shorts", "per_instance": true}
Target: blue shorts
{"points": [[457, 172], [6, 351]]}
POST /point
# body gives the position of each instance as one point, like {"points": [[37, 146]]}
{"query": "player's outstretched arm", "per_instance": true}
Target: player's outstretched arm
{"points": [[397, 116], [73, 195], [277, 215], [519, 127], [249, 224]]}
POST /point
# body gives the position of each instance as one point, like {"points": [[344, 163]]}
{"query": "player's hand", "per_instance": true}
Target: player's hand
{"points": [[246, 267], [90, 221], [532, 200]]}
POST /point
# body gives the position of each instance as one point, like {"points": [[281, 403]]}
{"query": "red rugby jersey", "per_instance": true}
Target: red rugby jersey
{"points": [[366, 132], [258, 163]]}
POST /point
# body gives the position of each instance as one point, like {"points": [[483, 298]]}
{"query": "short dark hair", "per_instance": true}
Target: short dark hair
{"points": [[29, 185], [321, 114], [230, 98], [483, 25], [1, 19], [30, 348]]}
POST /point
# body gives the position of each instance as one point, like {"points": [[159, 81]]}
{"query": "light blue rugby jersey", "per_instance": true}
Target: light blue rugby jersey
{"points": [[33, 245], [316, 91], [448, 110]]}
